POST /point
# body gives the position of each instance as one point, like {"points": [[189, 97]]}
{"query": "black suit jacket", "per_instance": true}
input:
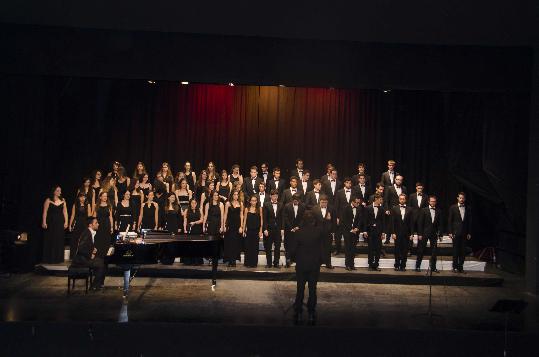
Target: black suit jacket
{"points": [[271, 186], [340, 201], [273, 222], [85, 247], [391, 198], [349, 222], [326, 188], [327, 222], [295, 172], [386, 179], [286, 197], [414, 203], [310, 199], [426, 227], [374, 226], [456, 225], [355, 180], [248, 186], [359, 193], [289, 221], [310, 186], [306, 248], [261, 175], [402, 227], [267, 198]]}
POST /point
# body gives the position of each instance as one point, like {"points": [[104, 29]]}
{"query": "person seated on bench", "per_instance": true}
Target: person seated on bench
{"points": [[86, 254]]}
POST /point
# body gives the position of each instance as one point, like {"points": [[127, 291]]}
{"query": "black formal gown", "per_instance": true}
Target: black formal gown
{"points": [[196, 229], [136, 203], [125, 217], [122, 188], [213, 221], [172, 221], [224, 190], [103, 237], [79, 225], [252, 238], [190, 182], [148, 217], [53, 240], [232, 236]]}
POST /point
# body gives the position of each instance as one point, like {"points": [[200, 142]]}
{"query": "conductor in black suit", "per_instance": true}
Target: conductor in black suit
{"points": [[429, 228], [293, 213], [460, 228], [273, 229], [401, 231], [326, 219], [305, 250], [86, 254]]}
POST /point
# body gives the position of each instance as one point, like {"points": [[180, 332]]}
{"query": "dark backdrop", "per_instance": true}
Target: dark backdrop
{"points": [[58, 129]]}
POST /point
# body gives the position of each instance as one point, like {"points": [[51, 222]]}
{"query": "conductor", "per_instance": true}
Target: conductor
{"points": [[306, 251]]}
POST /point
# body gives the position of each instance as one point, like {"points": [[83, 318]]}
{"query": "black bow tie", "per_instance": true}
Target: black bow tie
{"points": [[432, 208], [347, 191], [461, 205], [332, 180], [403, 206]]}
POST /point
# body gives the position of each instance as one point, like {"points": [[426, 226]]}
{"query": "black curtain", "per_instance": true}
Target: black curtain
{"points": [[59, 129]]}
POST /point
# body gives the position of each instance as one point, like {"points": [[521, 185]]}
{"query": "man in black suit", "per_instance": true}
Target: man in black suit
{"points": [[361, 171], [273, 229], [379, 190], [343, 199], [460, 228], [263, 197], [306, 184], [363, 191], [374, 230], [287, 195], [429, 228], [326, 177], [417, 201], [391, 199], [293, 213], [312, 198], [351, 224], [264, 173], [326, 219], [86, 254], [388, 177], [401, 231], [331, 186], [306, 252], [299, 170], [251, 184], [276, 182]]}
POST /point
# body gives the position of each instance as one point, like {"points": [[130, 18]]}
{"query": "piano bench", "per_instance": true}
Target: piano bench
{"points": [[78, 273]]}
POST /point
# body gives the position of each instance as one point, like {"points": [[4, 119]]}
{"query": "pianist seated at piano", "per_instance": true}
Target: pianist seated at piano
{"points": [[86, 254]]}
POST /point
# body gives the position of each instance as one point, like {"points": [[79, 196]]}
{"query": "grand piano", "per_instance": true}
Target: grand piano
{"points": [[150, 247]]}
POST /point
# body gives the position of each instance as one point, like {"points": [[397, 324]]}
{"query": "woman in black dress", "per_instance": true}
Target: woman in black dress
{"points": [[80, 212], [171, 220], [145, 184], [103, 212], [224, 186], [87, 190], [109, 187], [122, 182], [200, 186], [149, 214], [168, 176], [205, 197], [125, 215], [236, 175], [140, 170], [214, 215], [137, 197], [190, 175], [96, 183], [252, 231], [233, 235], [192, 224], [54, 222]]}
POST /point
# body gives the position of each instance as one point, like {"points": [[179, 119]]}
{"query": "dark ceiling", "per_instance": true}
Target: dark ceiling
{"points": [[444, 22]]}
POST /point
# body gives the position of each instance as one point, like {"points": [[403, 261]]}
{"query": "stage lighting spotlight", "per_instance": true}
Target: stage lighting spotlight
{"points": [[387, 90], [151, 82], [184, 83], [281, 85], [231, 84]]}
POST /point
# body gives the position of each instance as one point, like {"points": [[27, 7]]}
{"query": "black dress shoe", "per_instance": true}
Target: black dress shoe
{"points": [[461, 271], [417, 269], [377, 269], [276, 266], [330, 266], [268, 266], [455, 270], [402, 269], [311, 319], [298, 318], [348, 268], [353, 268], [435, 270], [396, 269]]}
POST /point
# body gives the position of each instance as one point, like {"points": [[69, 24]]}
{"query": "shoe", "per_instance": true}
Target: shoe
{"points": [[396, 269], [348, 269], [287, 265], [417, 269], [311, 319], [455, 270], [268, 266], [402, 269], [353, 268], [298, 318], [460, 270], [435, 270], [330, 266], [377, 269], [276, 266]]}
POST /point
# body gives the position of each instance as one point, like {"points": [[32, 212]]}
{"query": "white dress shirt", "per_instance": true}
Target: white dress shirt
{"points": [[462, 210], [347, 193], [304, 184], [274, 205], [419, 199], [403, 211], [333, 184], [324, 210], [295, 210], [317, 195], [398, 189], [92, 232], [432, 213]]}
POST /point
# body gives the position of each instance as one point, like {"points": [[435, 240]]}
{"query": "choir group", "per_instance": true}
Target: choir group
{"points": [[262, 206]]}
